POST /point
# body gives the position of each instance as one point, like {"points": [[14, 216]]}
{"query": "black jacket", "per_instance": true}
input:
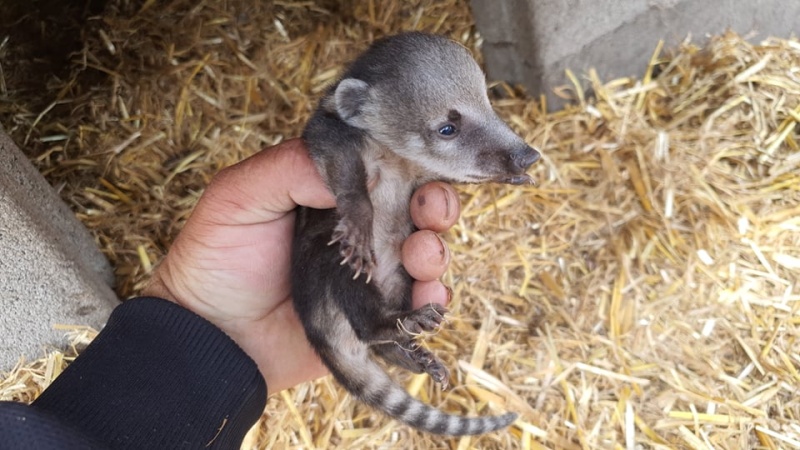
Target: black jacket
{"points": [[157, 377]]}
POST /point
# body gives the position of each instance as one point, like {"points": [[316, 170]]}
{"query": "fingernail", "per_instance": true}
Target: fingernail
{"points": [[449, 295], [442, 251], [447, 203]]}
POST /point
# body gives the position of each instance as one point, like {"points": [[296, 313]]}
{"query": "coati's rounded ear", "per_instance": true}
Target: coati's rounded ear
{"points": [[350, 98]]}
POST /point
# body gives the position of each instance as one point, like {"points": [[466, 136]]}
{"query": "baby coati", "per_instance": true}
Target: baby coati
{"points": [[411, 109]]}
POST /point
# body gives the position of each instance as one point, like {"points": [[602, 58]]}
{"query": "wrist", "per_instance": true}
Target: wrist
{"points": [[157, 287]]}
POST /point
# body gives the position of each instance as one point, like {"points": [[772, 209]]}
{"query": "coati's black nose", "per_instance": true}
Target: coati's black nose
{"points": [[524, 157]]}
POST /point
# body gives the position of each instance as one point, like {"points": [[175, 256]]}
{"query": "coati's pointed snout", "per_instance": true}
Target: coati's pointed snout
{"points": [[525, 157], [517, 163]]}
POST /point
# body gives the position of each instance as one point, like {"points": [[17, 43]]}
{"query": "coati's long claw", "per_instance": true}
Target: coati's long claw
{"points": [[440, 374], [337, 236], [365, 270], [355, 247]]}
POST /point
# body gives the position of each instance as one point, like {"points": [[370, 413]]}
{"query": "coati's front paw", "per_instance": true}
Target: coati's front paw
{"points": [[355, 246], [427, 318]]}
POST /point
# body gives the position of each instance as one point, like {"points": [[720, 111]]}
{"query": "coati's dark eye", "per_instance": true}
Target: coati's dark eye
{"points": [[448, 130]]}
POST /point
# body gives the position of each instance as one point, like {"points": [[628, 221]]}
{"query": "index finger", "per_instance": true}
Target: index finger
{"points": [[435, 206]]}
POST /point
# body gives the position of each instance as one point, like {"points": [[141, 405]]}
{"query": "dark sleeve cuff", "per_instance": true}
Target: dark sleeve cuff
{"points": [[159, 376]]}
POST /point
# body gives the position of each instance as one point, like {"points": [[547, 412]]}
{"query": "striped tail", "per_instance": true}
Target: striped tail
{"points": [[367, 381]]}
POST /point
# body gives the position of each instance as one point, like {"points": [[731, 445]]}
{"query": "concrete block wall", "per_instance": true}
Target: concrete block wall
{"points": [[532, 42], [51, 271]]}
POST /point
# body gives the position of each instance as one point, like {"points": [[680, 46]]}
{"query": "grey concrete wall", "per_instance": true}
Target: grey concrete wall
{"points": [[51, 271], [532, 42]]}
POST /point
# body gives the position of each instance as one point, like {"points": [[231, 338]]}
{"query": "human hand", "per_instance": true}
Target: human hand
{"points": [[231, 262]]}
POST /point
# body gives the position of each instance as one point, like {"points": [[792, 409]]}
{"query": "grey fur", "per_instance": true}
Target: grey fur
{"points": [[386, 119]]}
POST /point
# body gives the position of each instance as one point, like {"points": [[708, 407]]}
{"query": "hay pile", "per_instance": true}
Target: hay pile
{"points": [[643, 295]]}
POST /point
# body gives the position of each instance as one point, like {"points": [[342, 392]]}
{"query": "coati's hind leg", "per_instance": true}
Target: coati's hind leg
{"points": [[411, 356], [396, 341], [388, 325]]}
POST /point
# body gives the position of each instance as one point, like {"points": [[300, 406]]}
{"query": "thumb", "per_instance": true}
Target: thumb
{"points": [[264, 187]]}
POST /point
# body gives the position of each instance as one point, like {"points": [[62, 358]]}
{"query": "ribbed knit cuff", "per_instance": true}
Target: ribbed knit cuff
{"points": [[159, 376]]}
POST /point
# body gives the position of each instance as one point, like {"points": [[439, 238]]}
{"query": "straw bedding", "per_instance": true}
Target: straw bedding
{"points": [[643, 295]]}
